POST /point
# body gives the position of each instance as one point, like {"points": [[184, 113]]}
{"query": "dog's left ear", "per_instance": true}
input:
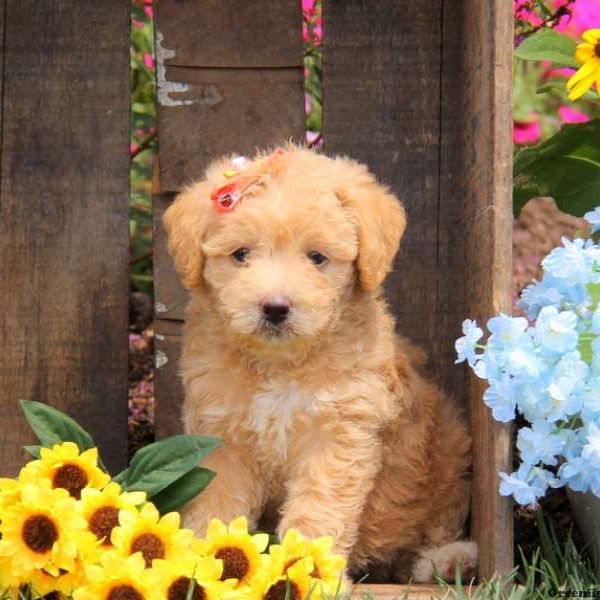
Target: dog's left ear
{"points": [[381, 221]]}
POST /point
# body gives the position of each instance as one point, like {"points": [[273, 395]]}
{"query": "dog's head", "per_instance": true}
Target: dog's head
{"points": [[306, 233]]}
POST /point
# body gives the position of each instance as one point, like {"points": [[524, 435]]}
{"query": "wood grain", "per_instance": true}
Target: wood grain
{"points": [[218, 91], [402, 592], [381, 106], [168, 390], [426, 87], [64, 239], [487, 176], [232, 33]]}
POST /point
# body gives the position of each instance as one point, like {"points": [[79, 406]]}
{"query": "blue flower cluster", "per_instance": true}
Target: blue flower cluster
{"points": [[547, 368]]}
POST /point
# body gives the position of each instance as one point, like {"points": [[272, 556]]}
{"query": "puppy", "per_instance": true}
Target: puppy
{"points": [[289, 354]]}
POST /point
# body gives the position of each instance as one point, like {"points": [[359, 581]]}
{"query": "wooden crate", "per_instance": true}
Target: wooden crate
{"points": [[421, 92]]}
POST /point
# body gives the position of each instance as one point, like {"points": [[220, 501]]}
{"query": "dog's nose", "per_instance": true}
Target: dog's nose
{"points": [[276, 309]]}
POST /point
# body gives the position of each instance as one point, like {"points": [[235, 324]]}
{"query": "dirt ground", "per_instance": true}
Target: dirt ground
{"points": [[538, 229]]}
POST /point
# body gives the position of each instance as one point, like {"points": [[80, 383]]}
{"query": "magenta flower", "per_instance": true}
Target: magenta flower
{"points": [[585, 14], [570, 115], [526, 132], [148, 60]]}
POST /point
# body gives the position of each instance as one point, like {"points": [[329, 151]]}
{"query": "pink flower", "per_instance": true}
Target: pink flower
{"points": [[562, 72], [133, 148], [585, 14], [526, 132], [148, 60], [308, 5], [307, 103], [522, 9], [138, 24], [570, 115], [149, 11]]}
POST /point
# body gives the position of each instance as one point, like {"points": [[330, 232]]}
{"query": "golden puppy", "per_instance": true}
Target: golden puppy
{"points": [[289, 355]]}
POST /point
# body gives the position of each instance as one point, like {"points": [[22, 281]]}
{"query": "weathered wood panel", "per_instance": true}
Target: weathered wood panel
{"points": [[168, 389], [220, 89], [426, 86], [64, 241], [486, 179], [382, 76], [232, 33]]}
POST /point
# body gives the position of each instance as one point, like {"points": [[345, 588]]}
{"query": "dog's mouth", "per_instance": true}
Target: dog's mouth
{"points": [[279, 331]]}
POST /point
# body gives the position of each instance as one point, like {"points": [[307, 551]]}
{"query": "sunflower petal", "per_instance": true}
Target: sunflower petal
{"points": [[582, 87], [239, 526], [584, 52], [591, 36], [216, 529], [260, 541], [584, 71]]}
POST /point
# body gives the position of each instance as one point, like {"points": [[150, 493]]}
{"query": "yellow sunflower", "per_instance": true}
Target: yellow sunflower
{"points": [[171, 581], [10, 492], [147, 532], [275, 582], [101, 508], [61, 585], [44, 530], [587, 53], [117, 578], [239, 551], [66, 468], [327, 568]]}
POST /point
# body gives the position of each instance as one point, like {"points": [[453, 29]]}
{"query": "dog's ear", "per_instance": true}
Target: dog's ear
{"points": [[381, 221], [186, 221]]}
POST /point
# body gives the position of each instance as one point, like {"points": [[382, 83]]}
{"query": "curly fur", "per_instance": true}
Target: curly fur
{"points": [[329, 423]]}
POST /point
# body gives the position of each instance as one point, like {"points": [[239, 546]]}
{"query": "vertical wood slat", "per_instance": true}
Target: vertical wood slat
{"points": [[487, 182], [426, 86], [230, 80], [64, 235]]}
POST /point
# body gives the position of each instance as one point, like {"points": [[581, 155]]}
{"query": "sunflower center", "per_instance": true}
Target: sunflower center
{"points": [[278, 591], [52, 596], [39, 533], [178, 590], [150, 545], [72, 478], [102, 522], [597, 49], [124, 592], [235, 563]]}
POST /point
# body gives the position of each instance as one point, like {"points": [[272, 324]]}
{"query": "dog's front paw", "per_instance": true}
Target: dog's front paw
{"points": [[442, 561]]}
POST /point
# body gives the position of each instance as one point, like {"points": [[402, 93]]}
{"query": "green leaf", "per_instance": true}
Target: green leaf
{"points": [[182, 490], [565, 167], [552, 86], [548, 44], [594, 292], [54, 427], [121, 477], [33, 450], [158, 465], [585, 347]]}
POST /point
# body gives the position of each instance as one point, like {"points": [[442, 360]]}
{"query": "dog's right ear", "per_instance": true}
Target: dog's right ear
{"points": [[186, 221]]}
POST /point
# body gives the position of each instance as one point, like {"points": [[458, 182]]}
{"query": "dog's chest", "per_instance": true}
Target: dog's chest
{"points": [[273, 412]]}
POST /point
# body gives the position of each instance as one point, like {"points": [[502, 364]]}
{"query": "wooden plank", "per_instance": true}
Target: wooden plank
{"points": [[234, 33], [170, 297], [210, 105], [487, 216], [381, 106], [168, 390], [403, 592], [64, 241]]}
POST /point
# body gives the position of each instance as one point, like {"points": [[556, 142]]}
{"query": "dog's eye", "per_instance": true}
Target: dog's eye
{"points": [[241, 254], [316, 257]]}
